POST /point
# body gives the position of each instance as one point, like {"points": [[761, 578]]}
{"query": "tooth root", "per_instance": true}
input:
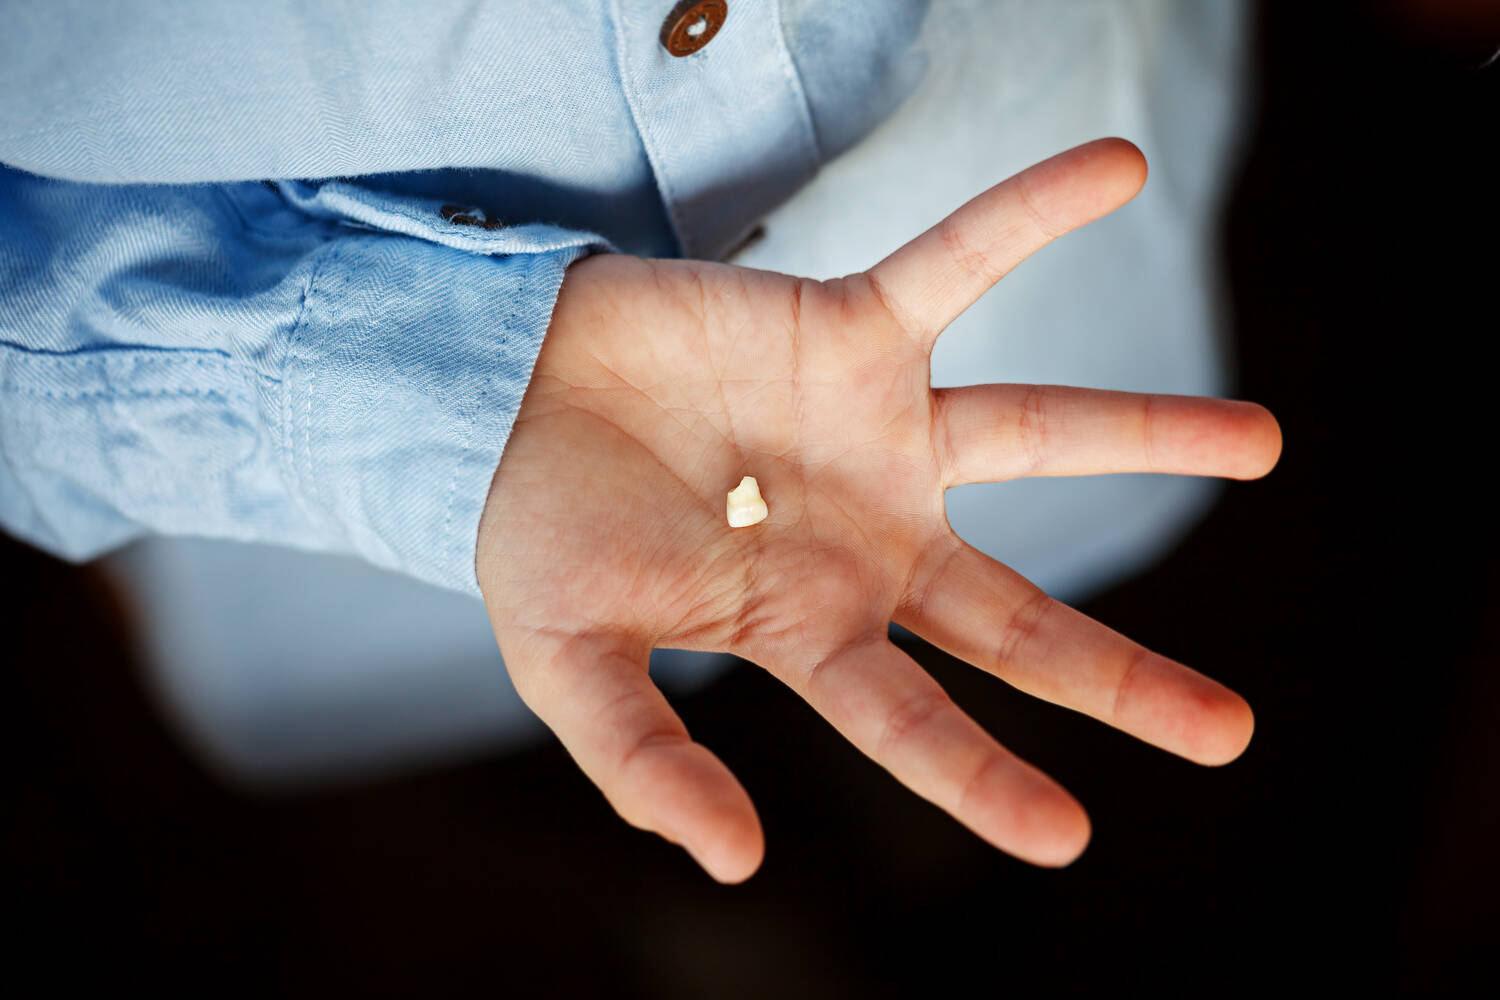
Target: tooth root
{"points": [[745, 506]]}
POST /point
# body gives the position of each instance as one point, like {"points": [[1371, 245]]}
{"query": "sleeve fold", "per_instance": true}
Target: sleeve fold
{"points": [[325, 369]]}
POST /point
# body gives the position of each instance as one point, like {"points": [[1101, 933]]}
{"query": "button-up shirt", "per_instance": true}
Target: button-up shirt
{"points": [[280, 271]]}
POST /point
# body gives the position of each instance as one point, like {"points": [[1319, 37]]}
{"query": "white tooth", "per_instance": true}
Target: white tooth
{"points": [[745, 505]]}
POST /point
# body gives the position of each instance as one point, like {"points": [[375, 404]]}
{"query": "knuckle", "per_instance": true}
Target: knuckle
{"points": [[928, 574], [1027, 200], [894, 310], [966, 256], [652, 739], [908, 717], [1022, 628], [1149, 416], [1031, 427], [1126, 681], [971, 789]]}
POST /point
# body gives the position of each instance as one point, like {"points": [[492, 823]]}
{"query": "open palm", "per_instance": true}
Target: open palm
{"points": [[661, 383]]}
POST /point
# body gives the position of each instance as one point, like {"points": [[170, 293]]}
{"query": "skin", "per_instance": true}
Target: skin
{"points": [[662, 382]]}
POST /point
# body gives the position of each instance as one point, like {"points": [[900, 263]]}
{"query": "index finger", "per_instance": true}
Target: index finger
{"points": [[928, 282]]}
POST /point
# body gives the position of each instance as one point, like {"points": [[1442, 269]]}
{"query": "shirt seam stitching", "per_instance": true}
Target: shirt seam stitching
{"points": [[285, 432], [81, 394], [794, 79], [467, 432], [642, 128]]}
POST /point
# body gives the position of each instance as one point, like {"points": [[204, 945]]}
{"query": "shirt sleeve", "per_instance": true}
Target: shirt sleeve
{"points": [[310, 365]]}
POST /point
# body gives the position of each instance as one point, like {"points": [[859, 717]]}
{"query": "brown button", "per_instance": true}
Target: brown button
{"points": [[692, 24]]}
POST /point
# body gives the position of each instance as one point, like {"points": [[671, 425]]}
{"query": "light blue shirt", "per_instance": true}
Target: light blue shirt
{"points": [[231, 301], [280, 664]]}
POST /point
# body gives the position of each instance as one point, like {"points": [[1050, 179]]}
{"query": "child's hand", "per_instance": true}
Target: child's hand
{"points": [[661, 383]]}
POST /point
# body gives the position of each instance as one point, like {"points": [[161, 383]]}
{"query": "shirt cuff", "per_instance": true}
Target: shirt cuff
{"points": [[402, 379]]}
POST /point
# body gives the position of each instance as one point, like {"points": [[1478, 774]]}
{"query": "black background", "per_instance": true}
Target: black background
{"points": [[1351, 596]]}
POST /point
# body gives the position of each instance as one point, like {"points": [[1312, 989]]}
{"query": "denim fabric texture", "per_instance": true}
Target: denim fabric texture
{"points": [[206, 361], [326, 361]]}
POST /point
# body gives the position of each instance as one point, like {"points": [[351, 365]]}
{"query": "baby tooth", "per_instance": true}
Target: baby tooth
{"points": [[745, 505]]}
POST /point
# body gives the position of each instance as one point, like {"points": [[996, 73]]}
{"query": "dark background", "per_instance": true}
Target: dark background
{"points": [[1352, 597]]}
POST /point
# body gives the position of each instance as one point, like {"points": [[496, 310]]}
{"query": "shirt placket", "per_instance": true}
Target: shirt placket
{"points": [[727, 128]]}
